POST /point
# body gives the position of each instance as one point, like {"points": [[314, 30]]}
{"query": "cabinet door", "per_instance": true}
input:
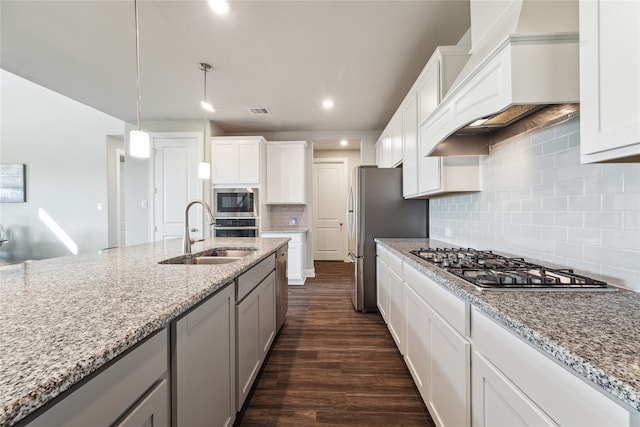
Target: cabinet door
{"points": [[449, 370], [609, 83], [152, 411], [396, 156], [429, 91], [249, 354], [295, 173], [416, 339], [275, 173], [248, 162], [395, 325], [205, 363], [267, 313], [410, 156], [382, 291], [430, 174], [224, 162], [294, 261], [497, 402]]}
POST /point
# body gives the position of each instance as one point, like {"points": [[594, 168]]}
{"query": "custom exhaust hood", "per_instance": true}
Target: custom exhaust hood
{"points": [[524, 63]]}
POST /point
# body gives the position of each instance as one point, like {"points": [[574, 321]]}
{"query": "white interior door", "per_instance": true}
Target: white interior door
{"points": [[329, 222], [175, 180]]}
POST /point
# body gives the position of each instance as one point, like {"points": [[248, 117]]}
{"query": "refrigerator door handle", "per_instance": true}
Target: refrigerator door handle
{"points": [[350, 213]]}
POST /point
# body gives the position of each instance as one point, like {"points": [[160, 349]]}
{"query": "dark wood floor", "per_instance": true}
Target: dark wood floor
{"points": [[333, 366]]}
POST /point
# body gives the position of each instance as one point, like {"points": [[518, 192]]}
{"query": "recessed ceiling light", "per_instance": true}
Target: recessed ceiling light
{"points": [[221, 7], [343, 142], [327, 104]]}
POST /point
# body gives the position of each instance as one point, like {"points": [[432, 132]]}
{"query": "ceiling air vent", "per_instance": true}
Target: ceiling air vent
{"points": [[259, 111]]}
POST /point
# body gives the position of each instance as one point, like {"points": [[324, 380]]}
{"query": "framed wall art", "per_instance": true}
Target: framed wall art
{"points": [[13, 183]]}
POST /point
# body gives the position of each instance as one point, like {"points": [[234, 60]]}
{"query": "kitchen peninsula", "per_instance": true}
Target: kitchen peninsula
{"points": [[62, 320]]}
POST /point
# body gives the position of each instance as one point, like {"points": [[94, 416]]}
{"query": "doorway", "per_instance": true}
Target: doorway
{"points": [[116, 170], [329, 216], [332, 243]]}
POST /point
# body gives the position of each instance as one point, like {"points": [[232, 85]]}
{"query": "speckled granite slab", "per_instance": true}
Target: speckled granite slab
{"points": [[63, 318], [594, 334]]}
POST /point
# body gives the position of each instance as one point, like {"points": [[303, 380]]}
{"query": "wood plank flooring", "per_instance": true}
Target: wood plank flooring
{"points": [[331, 365]]}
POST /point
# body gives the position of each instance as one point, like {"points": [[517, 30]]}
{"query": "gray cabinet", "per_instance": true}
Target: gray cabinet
{"points": [[255, 324], [130, 392], [204, 363]]}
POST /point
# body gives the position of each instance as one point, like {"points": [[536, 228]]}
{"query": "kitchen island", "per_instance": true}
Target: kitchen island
{"points": [[63, 319], [594, 336]]}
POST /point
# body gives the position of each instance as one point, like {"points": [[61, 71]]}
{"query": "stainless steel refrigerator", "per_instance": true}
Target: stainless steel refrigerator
{"points": [[376, 208]]}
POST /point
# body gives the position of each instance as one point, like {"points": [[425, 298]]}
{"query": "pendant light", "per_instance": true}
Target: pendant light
{"points": [[139, 144], [204, 168]]}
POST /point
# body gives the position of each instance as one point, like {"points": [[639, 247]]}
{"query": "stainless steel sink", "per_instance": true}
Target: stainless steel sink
{"points": [[213, 260], [212, 256]]}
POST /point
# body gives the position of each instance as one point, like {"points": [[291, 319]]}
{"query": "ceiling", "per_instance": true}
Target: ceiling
{"points": [[286, 56]]}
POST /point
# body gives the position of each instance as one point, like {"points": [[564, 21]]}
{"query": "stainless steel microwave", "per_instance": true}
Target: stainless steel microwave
{"points": [[235, 202]]}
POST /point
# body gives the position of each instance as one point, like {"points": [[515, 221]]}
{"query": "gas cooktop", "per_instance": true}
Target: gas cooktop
{"points": [[489, 271]]}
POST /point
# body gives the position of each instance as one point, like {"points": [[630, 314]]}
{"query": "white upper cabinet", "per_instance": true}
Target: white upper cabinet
{"points": [[237, 160], [411, 161], [390, 144], [609, 82], [286, 172], [424, 176]]}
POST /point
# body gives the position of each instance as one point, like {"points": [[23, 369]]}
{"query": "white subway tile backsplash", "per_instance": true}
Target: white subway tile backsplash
{"points": [[538, 201], [603, 184], [585, 203], [555, 145], [603, 220]]}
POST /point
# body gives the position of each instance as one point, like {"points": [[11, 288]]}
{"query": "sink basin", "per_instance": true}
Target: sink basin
{"points": [[213, 260], [212, 256], [227, 252]]}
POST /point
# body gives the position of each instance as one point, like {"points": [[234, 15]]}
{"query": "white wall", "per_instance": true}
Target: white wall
{"points": [[538, 201], [64, 146]]}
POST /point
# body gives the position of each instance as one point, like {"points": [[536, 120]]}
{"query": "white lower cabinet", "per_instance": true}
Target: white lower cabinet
{"points": [[131, 392], [255, 324], [382, 286], [395, 285], [437, 355], [514, 382], [204, 363], [497, 402], [471, 371], [296, 255]]}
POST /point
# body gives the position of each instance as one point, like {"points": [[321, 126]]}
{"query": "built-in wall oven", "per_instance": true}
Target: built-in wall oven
{"points": [[235, 202], [236, 227]]}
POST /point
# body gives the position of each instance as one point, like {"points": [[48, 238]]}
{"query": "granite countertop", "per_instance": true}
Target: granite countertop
{"points": [[286, 230], [63, 318], [596, 335]]}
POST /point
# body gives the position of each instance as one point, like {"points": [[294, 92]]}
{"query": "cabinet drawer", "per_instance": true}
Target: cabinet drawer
{"points": [[395, 263], [382, 253], [454, 310], [104, 398], [249, 280], [567, 399]]}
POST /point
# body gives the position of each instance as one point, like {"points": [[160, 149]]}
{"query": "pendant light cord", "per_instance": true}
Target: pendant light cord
{"points": [[135, 4]]}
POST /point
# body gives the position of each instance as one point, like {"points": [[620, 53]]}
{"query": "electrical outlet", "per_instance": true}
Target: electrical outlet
{"points": [[447, 231]]}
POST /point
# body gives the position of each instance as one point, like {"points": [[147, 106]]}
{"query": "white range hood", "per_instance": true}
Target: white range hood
{"points": [[524, 57]]}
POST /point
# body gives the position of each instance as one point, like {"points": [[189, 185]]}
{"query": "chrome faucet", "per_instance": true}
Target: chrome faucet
{"points": [[187, 241]]}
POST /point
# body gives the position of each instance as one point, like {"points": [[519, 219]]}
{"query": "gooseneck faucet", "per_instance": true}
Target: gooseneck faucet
{"points": [[187, 241]]}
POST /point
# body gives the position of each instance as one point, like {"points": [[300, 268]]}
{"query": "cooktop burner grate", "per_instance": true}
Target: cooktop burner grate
{"points": [[487, 270]]}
